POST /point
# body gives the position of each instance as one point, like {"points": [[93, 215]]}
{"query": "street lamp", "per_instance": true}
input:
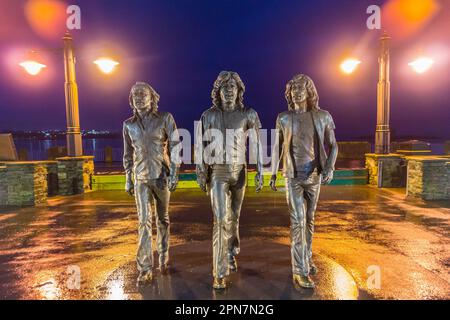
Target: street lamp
{"points": [[349, 65], [106, 65], [32, 67], [73, 134], [422, 64], [383, 131], [382, 134]]}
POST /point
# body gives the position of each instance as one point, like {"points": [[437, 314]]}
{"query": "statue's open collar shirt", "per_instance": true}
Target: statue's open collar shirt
{"points": [[150, 146], [215, 118], [324, 126]]}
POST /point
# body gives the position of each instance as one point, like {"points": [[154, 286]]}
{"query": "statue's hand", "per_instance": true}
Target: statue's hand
{"points": [[129, 187], [273, 182], [259, 181], [201, 181], [173, 182], [327, 176]]}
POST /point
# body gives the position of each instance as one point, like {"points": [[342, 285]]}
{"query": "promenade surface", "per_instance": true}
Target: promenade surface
{"points": [[359, 229]]}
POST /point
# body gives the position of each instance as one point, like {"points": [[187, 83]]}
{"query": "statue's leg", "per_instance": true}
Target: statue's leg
{"points": [[311, 193], [219, 188], [237, 193], [144, 252], [161, 194], [295, 200]]}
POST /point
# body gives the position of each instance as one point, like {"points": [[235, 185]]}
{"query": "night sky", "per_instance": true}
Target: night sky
{"points": [[180, 46]]}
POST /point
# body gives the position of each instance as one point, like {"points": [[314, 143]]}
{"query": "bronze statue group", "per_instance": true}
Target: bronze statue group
{"points": [[305, 145]]}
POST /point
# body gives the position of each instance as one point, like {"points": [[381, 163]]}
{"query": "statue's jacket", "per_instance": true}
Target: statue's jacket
{"points": [[323, 124], [213, 118], [150, 146]]}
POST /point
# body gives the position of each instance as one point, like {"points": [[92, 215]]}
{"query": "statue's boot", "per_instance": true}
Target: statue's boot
{"points": [[232, 263], [163, 264], [303, 281], [220, 283], [144, 278], [312, 268]]}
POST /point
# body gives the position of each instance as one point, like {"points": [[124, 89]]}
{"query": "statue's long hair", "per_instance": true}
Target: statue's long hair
{"points": [[223, 78], [153, 93], [313, 97]]}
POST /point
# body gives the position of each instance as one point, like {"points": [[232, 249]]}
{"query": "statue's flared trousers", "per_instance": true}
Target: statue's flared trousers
{"points": [[145, 191], [227, 190], [302, 196]]}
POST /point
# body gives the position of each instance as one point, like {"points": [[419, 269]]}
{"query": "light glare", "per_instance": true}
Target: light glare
{"points": [[349, 65], [32, 67], [106, 65], [421, 65]]}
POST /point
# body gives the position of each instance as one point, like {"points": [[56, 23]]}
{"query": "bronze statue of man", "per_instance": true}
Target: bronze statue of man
{"points": [[151, 164], [304, 133], [223, 175]]}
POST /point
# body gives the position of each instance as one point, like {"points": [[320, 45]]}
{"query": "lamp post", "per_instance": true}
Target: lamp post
{"points": [[76, 169], [105, 64], [383, 133], [73, 135]]}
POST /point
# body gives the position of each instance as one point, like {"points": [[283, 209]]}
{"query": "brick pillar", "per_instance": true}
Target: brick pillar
{"points": [[75, 174], [23, 183], [428, 178], [386, 170]]}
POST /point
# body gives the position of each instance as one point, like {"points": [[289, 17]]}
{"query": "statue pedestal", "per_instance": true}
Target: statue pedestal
{"points": [[386, 170], [75, 174], [429, 178]]}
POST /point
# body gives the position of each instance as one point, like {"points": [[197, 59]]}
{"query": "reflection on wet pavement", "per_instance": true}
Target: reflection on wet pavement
{"points": [[356, 227], [264, 273]]}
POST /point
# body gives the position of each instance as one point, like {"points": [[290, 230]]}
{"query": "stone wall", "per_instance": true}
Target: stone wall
{"points": [[29, 183], [75, 174], [386, 171], [52, 178], [429, 178], [23, 183]]}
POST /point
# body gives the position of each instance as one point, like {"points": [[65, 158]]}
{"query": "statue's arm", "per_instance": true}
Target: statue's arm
{"points": [[128, 160], [202, 168], [276, 154], [277, 147], [256, 126], [174, 145], [330, 140]]}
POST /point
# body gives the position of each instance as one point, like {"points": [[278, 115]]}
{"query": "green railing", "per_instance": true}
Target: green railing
{"points": [[188, 180]]}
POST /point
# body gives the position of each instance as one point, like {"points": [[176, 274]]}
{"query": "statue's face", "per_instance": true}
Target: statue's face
{"points": [[229, 92], [299, 94], [142, 98]]}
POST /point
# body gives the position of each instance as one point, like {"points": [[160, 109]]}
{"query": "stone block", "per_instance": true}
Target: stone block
{"points": [[386, 170], [428, 178], [75, 174], [23, 183]]}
